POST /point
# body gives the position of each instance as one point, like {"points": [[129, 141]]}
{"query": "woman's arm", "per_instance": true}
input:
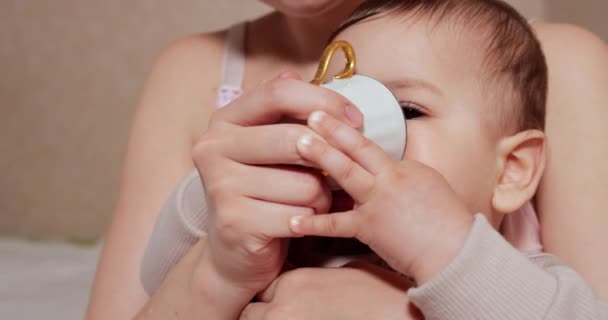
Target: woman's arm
{"points": [[193, 290], [175, 107], [572, 200]]}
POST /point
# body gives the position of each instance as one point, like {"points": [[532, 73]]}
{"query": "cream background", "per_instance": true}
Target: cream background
{"points": [[70, 72]]}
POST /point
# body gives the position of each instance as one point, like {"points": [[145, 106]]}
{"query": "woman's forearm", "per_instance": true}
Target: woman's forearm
{"points": [[177, 229], [193, 290]]}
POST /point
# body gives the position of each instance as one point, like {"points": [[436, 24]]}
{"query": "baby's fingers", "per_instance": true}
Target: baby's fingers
{"points": [[350, 141], [355, 180], [336, 225]]}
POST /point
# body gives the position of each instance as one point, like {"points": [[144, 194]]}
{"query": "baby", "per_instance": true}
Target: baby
{"points": [[472, 80]]}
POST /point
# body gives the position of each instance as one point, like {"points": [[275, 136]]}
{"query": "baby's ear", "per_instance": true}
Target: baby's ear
{"points": [[522, 159]]}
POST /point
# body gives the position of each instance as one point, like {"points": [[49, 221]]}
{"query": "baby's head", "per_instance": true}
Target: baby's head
{"points": [[473, 81]]}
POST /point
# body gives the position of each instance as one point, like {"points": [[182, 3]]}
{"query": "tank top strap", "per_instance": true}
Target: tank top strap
{"points": [[233, 65]]}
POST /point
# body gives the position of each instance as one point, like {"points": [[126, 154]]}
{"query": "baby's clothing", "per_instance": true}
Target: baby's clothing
{"points": [[489, 279], [533, 288]]}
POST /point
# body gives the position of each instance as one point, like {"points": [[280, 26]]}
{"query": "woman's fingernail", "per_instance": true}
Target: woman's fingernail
{"points": [[305, 141], [354, 115], [295, 222], [316, 117]]}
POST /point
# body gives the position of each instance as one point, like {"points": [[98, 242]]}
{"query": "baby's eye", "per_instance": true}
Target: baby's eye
{"points": [[411, 111]]}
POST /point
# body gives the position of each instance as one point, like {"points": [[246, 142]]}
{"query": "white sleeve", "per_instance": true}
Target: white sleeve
{"points": [[180, 223]]}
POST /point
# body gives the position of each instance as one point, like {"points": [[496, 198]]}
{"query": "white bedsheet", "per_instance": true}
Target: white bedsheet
{"points": [[45, 280]]}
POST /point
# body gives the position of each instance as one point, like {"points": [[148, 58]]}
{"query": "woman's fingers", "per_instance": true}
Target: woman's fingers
{"points": [[267, 221], [285, 96], [355, 180], [350, 141], [262, 145], [337, 225], [286, 185]]}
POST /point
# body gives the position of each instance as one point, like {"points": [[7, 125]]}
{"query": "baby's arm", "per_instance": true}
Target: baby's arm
{"points": [[408, 214], [490, 279]]}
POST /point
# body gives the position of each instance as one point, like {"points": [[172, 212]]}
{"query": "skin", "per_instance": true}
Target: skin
{"points": [[392, 202], [574, 227], [160, 152], [429, 70], [444, 86], [246, 249], [172, 114], [343, 288]]}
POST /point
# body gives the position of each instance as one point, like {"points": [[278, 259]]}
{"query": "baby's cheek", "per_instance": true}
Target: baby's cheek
{"points": [[425, 148], [411, 151], [444, 155], [470, 174], [458, 154]]}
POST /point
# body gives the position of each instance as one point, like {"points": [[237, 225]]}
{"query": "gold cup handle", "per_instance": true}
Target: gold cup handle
{"points": [[349, 68], [328, 53]]}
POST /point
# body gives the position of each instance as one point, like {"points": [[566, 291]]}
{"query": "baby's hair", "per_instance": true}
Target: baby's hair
{"points": [[514, 59]]}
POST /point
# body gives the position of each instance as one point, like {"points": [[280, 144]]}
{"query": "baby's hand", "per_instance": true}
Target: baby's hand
{"points": [[405, 211]]}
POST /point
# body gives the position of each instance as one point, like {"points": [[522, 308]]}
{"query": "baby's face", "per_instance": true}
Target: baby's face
{"points": [[436, 75]]}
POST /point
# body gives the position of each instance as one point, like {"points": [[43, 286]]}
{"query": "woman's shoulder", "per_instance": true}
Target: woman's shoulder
{"points": [[192, 50], [564, 42], [193, 58], [576, 57], [183, 80]]}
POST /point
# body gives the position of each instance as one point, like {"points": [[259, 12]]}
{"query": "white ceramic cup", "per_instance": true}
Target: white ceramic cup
{"points": [[383, 121]]}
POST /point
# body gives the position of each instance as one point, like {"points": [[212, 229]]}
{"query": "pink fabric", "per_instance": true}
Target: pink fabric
{"points": [[227, 94], [522, 229]]}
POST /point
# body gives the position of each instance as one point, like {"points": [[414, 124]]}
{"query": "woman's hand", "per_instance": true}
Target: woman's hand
{"points": [[359, 291], [250, 198]]}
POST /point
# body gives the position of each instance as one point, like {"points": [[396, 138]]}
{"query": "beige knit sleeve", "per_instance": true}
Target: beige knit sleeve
{"points": [[491, 280]]}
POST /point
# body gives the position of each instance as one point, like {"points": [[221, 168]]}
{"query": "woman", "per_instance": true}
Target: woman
{"points": [[160, 153]]}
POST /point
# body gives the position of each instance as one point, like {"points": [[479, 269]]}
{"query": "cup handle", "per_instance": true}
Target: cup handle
{"points": [[328, 53]]}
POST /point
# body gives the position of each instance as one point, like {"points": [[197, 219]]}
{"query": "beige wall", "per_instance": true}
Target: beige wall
{"points": [[70, 72]]}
